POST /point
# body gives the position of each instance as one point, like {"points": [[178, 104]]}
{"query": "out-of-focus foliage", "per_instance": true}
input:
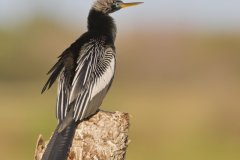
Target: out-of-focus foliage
{"points": [[181, 88]]}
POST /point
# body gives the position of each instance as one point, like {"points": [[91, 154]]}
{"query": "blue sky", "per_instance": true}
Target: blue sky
{"points": [[207, 14]]}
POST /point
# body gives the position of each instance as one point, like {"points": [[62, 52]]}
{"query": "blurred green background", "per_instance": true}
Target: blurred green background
{"points": [[178, 68]]}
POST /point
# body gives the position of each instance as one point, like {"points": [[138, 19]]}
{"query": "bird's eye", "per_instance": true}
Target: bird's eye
{"points": [[116, 4]]}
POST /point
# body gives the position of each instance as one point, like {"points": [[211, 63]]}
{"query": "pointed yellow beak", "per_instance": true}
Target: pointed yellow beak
{"points": [[125, 5]]}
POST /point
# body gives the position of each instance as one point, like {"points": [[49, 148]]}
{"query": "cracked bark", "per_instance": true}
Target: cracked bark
{"points": [[103, 137]]}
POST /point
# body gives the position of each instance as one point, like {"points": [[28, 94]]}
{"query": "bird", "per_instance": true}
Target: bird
{"points": [[85, 71]]}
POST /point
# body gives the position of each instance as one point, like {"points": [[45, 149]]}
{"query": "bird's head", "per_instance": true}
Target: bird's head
{"points": [[110, 6]]}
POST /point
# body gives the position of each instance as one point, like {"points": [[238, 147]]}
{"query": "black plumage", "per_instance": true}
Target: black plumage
{"points": [[85, 70]]}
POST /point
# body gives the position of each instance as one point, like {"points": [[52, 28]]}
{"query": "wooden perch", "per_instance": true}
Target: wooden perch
{"points": [[103, 137]]}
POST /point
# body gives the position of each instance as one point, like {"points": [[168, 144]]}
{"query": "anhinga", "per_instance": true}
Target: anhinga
{"points": [[85, 70]]}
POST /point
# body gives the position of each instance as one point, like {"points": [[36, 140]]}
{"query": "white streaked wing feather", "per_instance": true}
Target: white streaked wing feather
{"points": [[104, 80], [62, 100], [94, 72], [58, 99]]}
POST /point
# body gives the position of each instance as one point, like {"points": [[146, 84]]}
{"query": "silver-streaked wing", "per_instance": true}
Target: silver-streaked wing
{"points": [[94, 73], [62, 97], [64, 69]]}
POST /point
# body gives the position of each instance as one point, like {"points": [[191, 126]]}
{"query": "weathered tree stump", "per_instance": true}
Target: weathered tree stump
{"points": [[103, 137]]}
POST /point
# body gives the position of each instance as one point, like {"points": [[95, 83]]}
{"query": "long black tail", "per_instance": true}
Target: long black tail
{"points": [[60, 143]]}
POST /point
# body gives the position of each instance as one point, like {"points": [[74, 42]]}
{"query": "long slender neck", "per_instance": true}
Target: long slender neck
{"points": [[101, 23]]}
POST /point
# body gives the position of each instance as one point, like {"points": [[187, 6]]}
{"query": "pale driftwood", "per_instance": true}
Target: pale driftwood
{"points": [[103, 137]]}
